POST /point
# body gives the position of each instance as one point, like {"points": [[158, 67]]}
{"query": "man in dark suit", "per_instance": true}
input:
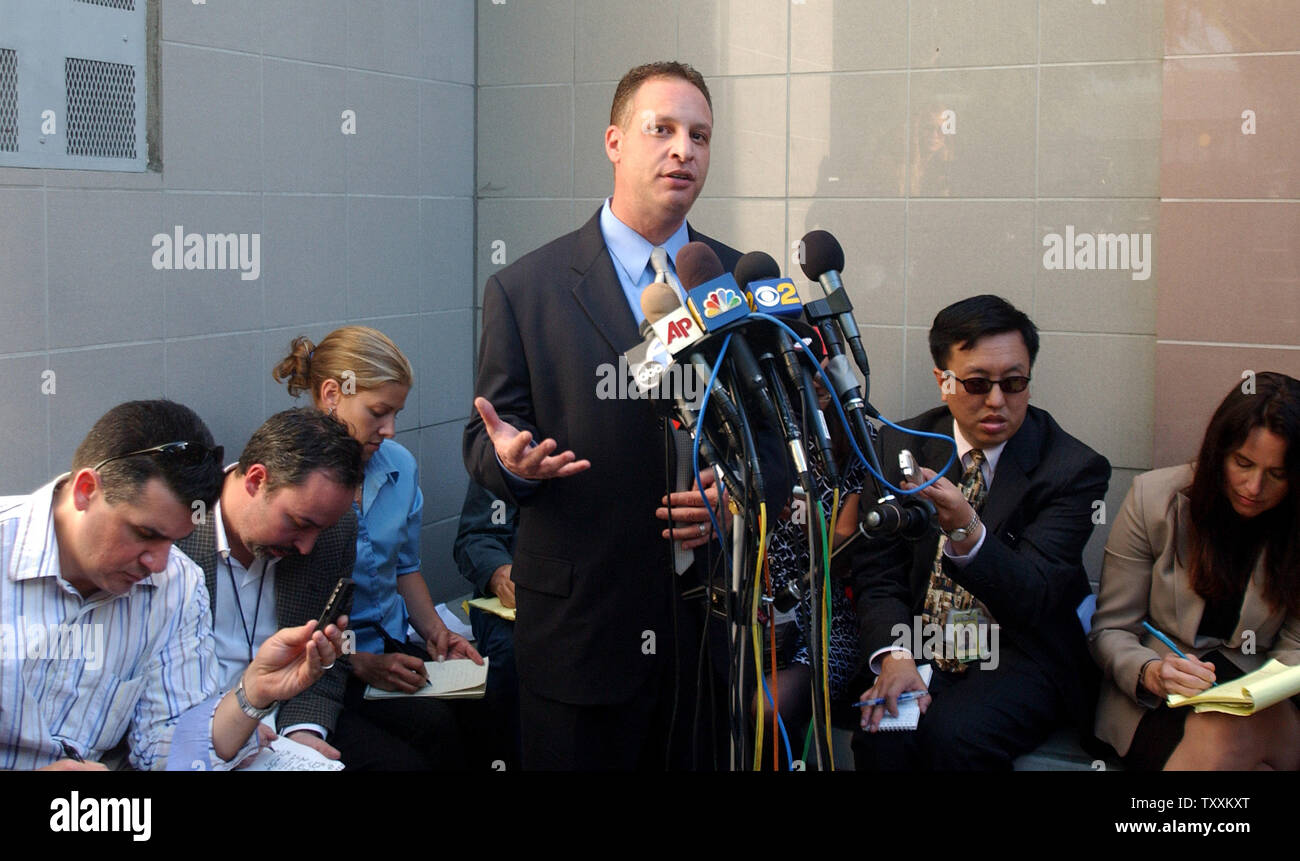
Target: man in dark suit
{"points": [[596, 628], [994, 608], [275, 545]]}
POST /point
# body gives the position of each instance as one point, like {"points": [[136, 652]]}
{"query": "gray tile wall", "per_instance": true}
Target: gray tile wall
{"points": [[374, 227], [829, 114]]}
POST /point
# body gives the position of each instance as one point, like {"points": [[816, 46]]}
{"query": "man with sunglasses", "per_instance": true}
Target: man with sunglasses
{"points": [[990, 595], [113, 620]]}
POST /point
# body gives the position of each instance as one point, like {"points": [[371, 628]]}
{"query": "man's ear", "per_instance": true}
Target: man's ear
{"points": [[614, 144], [85, 484], [945, 383], [254, 479]]}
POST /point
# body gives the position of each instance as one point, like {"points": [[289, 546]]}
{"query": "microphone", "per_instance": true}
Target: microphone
{"points": [[757, 272], [910, 517], [664, 310], [766, 290], [823, 262], [715, 297], [666, 317]]}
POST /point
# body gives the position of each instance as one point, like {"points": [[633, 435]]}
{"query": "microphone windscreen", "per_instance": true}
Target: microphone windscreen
{"points": [[821, 254], [697, 263], [756, 266], [658, 299]]}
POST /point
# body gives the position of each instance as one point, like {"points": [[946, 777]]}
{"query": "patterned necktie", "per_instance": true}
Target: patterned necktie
{"points": [[942, 594]]}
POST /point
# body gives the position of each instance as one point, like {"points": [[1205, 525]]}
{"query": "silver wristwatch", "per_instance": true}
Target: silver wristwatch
{"points": [[961, 533], [248, 708]]}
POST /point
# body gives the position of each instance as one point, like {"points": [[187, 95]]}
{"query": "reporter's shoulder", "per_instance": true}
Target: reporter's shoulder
{"points": [[182, 574], [1065, 447], [395, 456], [340, 536], [1158, 487]]}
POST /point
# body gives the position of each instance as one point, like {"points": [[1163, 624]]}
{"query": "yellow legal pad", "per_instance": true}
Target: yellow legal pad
{"points": [[1253, 692], [491, 605]]}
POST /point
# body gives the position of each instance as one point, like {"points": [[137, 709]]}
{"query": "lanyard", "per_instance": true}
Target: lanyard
{"points": [[249, 636]]}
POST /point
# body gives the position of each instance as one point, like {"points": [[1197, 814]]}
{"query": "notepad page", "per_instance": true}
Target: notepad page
{"points": [[909, 713]]}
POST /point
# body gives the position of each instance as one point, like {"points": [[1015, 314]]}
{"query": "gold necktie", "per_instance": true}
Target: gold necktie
{"points": [[943, 594]]}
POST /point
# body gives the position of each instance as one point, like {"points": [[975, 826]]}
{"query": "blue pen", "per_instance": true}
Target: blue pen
{"points": [[904, 697], [1162, 638]]}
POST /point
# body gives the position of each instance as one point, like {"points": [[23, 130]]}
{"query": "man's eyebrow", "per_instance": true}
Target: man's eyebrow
{"points": [[985, 371], [659, 119], [152, 532]]}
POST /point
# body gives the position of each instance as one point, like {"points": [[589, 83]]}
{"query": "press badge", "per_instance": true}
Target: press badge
{"points": [[962, 634]]}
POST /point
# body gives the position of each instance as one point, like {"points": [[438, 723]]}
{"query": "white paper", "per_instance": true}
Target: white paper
{"points": [[909, 713], [285, 754], [447, 677], [453, 622]]}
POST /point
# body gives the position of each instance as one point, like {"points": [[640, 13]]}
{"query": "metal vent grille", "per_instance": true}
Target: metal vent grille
{"points": [[101, 108], [128, 5], [8, 100]]}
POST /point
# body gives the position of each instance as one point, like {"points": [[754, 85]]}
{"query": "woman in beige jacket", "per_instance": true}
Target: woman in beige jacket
{"points": [[1209, 554]]}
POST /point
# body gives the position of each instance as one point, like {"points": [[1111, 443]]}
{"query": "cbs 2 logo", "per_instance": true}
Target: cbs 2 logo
{"points": [[771, 295]]}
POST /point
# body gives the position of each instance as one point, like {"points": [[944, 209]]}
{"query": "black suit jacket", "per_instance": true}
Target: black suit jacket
{"points": [[590, 565], [302, 586], [1029, 571], [482, 543]]}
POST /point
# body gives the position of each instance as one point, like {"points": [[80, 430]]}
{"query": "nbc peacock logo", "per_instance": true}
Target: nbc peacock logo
{"points": [[721, 301]]}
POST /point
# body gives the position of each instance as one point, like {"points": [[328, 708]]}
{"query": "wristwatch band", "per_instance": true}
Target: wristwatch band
{"points": [[961, 533], [248, 708]]}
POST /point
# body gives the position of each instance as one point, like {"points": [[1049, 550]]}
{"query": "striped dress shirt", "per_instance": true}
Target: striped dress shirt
{"points": [[84, 672]]}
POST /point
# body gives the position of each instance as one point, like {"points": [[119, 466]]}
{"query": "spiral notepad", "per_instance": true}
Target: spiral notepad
{"points": [[909, 713]]}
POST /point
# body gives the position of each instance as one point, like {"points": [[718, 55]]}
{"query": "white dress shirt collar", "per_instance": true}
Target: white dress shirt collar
{"points": [[991, 455]]}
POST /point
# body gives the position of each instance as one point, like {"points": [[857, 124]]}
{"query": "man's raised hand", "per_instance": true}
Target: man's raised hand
{"points": [[523, 457]]}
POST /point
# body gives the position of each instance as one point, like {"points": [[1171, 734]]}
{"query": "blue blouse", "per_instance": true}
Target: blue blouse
{"points": [[388, 544]]}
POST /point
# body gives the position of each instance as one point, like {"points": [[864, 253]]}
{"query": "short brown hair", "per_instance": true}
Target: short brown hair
{"points": [[137, 425], [292, 444], [632, 81]]}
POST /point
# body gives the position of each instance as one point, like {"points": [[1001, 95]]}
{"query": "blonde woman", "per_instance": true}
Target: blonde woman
{"points": [[359, 375]]}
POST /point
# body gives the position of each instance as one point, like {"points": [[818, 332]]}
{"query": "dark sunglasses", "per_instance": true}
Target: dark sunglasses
{"points": [[186, 452], [983, 385]]}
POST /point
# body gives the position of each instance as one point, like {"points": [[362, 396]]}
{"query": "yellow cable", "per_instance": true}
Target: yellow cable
{"points": [[776, 687], [760, 714], [828, 542]]}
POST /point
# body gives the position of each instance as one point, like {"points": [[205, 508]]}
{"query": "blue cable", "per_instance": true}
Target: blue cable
{"points": [[844, 421], [789, 756], [695, 451]]}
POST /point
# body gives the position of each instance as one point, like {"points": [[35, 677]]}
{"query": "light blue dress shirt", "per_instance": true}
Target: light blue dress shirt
{"points": [[631, 252], [388, 544]]}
